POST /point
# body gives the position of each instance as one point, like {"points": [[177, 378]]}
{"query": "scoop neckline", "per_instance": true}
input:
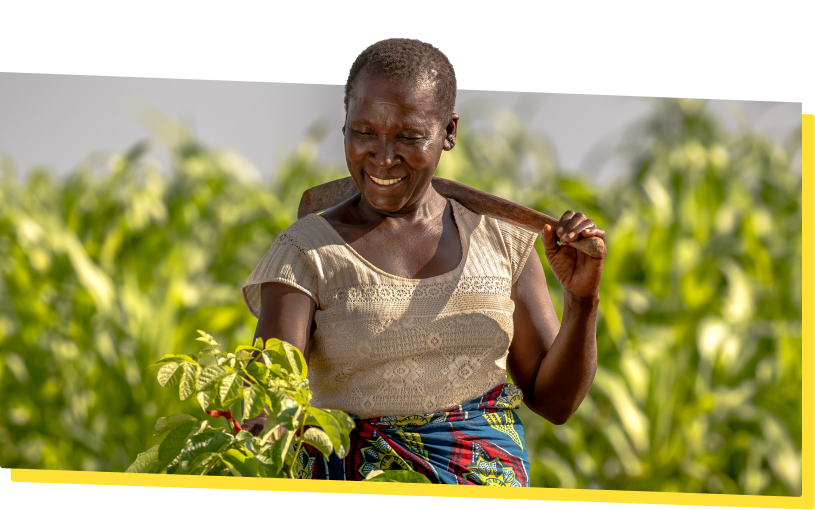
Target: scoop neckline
{"points": [[465, 249]]}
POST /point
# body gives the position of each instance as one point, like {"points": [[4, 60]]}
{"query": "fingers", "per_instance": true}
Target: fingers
{"points": [[549, 239], [570, 231], [561, 225], [572, 226]]}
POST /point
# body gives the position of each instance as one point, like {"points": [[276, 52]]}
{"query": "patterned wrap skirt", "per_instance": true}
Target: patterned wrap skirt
{"points": [[480, 442]]}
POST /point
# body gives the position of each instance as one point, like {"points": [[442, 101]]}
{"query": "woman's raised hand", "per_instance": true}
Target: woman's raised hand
{"points": [[577, 272]]}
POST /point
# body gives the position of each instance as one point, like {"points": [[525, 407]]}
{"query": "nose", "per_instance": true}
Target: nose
{"points": [[383, 154]]}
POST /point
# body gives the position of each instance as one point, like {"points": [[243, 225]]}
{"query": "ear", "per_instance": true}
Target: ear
{"points": [[343, 129], [450, 133]]}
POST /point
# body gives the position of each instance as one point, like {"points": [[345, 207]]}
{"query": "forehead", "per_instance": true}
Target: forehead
{"points": [[376, 99]]}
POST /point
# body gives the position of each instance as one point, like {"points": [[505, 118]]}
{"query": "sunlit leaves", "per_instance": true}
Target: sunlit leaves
{"points": [[230, 389], [170, 374], [172, 444], [209, 375], [253, 400], [318, 439], [332, 429], [145, 461], [166, 424], [242, 464], [206, 399], [187, 384], [396, 475]]}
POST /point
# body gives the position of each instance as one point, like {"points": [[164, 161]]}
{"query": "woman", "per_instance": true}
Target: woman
{"points": [[410, 308]]}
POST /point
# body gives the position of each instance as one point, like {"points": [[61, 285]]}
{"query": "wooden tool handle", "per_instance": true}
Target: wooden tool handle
{"points": [[481, 202], [326, 196]]}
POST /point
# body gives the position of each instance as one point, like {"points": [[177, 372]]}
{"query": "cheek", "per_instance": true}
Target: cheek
{"points": [[354, 150], [423, 154]]}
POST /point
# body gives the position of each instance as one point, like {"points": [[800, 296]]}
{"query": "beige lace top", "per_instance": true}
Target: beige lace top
{"points": [[391, 346]]}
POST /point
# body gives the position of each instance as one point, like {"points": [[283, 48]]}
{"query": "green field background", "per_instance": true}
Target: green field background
{"points": [[698, 387]]}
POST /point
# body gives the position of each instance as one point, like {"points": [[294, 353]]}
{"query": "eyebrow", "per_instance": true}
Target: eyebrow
{"points": [[423, 128]]}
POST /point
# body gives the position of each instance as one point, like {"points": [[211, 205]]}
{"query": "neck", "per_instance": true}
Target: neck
{"points": [[428, 207]]}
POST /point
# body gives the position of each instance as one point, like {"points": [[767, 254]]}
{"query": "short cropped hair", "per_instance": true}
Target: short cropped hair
{"points": [[408, 61]]}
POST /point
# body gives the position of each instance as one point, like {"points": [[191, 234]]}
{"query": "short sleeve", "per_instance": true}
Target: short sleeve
{"points": [[290, 261], [519, 241]]}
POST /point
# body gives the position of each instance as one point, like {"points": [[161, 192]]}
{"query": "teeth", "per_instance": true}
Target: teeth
{"points": [[384, 182]]}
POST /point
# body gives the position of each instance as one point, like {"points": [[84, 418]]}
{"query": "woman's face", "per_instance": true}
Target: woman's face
{"points": [[393, 141]]}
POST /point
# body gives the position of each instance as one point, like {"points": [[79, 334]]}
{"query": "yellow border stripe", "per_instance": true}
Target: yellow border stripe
{"points": [[347, 487], [807, 308]]}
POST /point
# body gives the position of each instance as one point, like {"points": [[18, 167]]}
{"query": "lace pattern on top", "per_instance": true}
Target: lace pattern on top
{"points": [[387, 346]]}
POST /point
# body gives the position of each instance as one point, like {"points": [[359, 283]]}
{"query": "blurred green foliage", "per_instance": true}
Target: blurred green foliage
{"points": [[698, 387]]}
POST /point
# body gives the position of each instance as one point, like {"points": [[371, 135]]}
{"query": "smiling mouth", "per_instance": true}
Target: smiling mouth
{"points": [[386, 182]]}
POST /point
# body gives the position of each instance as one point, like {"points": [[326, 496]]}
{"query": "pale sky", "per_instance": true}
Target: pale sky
{"points": [[57, 120]]}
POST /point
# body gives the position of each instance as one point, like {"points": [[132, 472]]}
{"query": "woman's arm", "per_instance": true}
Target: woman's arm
{"points": [[552, 363], [286, 313]]}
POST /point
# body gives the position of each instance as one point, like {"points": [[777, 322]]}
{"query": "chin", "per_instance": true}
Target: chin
{"points": [[384, 205]]}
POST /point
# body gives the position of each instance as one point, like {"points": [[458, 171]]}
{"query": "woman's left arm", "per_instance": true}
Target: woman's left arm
{"points": [[553, 363]]}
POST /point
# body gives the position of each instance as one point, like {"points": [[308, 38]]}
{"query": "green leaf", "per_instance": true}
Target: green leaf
{"points": [[346, 424], [259, 372], [208, 352], [246, 466], [203, 426], [399, 475], [329, 426], [231, 468], [296, 360], [229, 359], [243, 436], [273, 401], [173, 444], [172, 358], [245, 347], [275, 353], [169, 423], [268, 468], [211, 441], [187, 385], [259, 343], [144, 462], [169, 374], [209, 375], [206, 338], [318, 439], [299, 398], [253, 400], [274, 369], [230, 389], [205, 461], [275, 454], [206, 398], [285, 417]]}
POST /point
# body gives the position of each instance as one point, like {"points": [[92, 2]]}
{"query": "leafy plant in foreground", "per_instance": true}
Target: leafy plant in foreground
{"points": [[270, 378]]}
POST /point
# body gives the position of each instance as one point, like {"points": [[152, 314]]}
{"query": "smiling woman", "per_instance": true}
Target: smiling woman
{"points": [[410, 308]]}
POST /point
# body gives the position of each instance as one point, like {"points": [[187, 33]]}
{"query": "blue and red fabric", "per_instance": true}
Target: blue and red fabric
{"points": [[480, 442]]}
